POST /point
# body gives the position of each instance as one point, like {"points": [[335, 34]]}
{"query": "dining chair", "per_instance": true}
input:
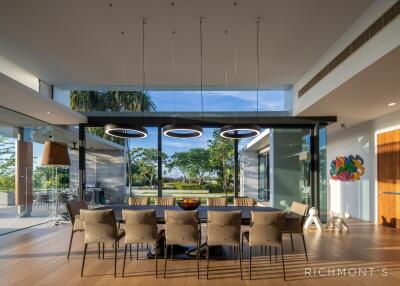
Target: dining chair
{"points": [[140, 227], [295, 222], [266, 229], [73, 209], [100, 226], [224, 229], [139, 201], [244, 202], [182, 228], [165, 201], [217, 202]]}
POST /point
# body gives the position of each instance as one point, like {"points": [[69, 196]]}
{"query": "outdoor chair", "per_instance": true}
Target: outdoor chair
{"points": [[244, 202], [139, 201], [73, 209], [165, 201], [217, 202]]}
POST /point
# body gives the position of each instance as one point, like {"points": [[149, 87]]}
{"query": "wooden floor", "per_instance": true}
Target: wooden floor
{"points": [[38, 257]]}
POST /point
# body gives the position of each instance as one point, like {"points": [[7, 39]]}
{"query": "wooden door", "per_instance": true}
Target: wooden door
{"points": [[388, 159]]}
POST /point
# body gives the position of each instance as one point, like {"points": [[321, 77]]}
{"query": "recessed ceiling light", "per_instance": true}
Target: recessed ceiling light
{"points": [[392, 104], [48, 112]]}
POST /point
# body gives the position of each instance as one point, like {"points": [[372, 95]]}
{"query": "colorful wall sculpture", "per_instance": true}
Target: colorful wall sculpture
{"points": [[347, 168]]}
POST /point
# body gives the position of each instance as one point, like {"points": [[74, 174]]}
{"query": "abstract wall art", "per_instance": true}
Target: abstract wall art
{"points": [[347, 168]]}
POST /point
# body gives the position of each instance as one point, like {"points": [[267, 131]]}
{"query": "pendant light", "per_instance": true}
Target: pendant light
{"points": [[241, 131], [128, 130], [186, 130]]}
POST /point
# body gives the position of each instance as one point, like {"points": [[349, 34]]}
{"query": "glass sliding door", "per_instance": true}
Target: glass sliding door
{"points": [[291, 167]]}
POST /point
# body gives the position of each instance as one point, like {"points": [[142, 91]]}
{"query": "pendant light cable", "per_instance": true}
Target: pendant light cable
{"points": [[201, 65], [258, 60]]}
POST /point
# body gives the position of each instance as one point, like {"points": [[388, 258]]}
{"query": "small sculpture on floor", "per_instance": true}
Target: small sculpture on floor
{"points": [[313, 218], [338, 221]]}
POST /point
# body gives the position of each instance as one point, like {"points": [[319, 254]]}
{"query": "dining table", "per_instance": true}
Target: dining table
{"points": [[181, 252], [202, 211]]}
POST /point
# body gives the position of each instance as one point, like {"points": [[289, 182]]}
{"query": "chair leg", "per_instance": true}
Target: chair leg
{"points": [[98, 250], [250, 261], [305, 248], [283, 264], [198, 259], [172, 249], [276, 254], [137, 251], [83, 259], [207, 258], [115, 259], [240, 261], [70, 244], [123, 265], [155, 256], [130, 250], [165, 258], [103, 250], [291, 240], [270, 251]]}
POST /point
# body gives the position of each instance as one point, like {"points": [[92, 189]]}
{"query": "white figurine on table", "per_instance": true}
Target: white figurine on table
{"points": [[313, 218]]}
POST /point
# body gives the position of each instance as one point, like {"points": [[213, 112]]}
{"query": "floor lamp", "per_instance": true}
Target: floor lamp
{"points": [[55, 154]]}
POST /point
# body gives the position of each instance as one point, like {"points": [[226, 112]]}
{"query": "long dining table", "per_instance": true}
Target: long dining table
{"points": [[202, 211]]}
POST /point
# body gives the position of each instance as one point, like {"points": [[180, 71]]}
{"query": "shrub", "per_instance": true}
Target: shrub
{"points": [[188, 186]]}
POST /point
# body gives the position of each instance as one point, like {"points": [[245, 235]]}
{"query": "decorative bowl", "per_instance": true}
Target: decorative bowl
{"points": [[188, 204]]}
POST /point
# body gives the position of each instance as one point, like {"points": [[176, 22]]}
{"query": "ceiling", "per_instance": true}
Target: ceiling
{"points": [[365, 96], [79, 44]]}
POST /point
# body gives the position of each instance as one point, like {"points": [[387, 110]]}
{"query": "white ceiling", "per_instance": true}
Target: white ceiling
{"points": [[365, 96], [74, 43]]}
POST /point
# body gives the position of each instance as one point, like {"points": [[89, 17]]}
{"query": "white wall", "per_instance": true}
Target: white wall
{"points": [[357, 198]]}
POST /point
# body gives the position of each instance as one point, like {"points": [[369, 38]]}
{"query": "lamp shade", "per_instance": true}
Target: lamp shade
{"points": [[55, 154]]}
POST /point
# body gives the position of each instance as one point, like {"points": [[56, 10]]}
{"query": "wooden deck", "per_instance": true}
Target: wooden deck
{"points": [[38, 257]]}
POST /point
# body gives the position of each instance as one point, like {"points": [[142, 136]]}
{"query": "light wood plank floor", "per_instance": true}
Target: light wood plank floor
{"points": [[38, 257]]}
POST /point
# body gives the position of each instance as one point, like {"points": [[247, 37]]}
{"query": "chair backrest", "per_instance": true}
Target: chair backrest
{"points": [[266, 228], [224, 227], [181, 227], [139, 201], [99, 225], [165, 201], [299, 208], [217, 202], [140, 226], [244, 202], [74, 208]]}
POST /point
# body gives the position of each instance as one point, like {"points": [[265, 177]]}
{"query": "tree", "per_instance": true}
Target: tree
{"points": [[145, 163], [222, 158], [7, 156], [194, 164]]}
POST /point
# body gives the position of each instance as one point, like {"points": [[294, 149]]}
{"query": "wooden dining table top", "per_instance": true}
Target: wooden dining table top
{"points": [[202, 210]]}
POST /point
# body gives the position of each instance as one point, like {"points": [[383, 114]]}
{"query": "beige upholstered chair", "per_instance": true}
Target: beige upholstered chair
{"points": [[140, 227], [224, 229], [165, 201], [217, 202], [181, 228], [266, 230], [139, 201], [73, 209], [295, 222], [244, 202], [101, 227]]}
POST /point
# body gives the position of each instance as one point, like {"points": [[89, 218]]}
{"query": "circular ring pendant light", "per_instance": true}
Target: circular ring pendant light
{"points": [[180, 130], [242, 131], [125, 131]]}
